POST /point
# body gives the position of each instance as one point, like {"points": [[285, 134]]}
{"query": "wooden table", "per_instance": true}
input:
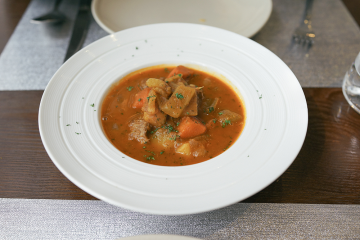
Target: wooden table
{"points": [[327, 169]]}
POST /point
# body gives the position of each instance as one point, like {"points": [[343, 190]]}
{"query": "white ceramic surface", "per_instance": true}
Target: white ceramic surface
{"points": [[240, 16], [272, 137]]}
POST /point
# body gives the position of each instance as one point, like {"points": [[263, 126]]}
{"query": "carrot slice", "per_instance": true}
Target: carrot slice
{"points": [[140, 98], [184, 71], [190, 127]]}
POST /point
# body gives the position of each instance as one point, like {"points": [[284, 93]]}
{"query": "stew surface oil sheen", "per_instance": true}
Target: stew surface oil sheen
{"points": [[172, 116]]}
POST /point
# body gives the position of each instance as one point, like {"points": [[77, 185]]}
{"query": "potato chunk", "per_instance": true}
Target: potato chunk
{"points": [[178, 101], [192, 108], [164, 138], [175, 81], [184, 149], [150, 103], [197, 148], [193, 147], [226, 115], [159, 86]]}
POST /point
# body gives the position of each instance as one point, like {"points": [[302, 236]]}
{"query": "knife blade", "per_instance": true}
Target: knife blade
{"points": [[80, 28]]}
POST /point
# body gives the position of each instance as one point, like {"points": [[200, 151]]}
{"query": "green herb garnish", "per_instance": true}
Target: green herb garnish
{"points": [[148, 98], [179, 95], [129, 88], [227, 122]]}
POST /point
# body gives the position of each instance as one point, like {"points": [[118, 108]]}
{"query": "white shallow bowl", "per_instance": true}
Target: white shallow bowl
{"points": [[272, 137], [240, 16]]}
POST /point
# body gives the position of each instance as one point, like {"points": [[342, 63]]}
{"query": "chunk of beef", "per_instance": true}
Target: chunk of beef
{"points": [[157, 119], [138, 129]]}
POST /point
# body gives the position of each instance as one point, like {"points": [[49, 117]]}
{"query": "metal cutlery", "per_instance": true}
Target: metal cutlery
{"points": [[304, 33], [80, 28], [52, 17]]}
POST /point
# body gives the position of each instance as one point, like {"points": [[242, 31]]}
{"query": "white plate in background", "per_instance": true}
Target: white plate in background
{"points": [[245, 17], [275, 128]]}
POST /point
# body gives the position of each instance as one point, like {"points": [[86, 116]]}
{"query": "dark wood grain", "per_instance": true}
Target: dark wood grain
{"points": [[26, 171], [10, 13], [327, 169], [353, 7]]}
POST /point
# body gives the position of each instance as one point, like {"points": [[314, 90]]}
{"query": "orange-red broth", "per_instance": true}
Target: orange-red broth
{"points": [[116, 112]]}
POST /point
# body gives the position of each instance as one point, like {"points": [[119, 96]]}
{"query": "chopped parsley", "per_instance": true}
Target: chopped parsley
{"points": [[77, 122], [161, 152], [169, 128], [92, 105], [137, 48], [166, 70], [227, 146], [220, 113], [139, 99], [150, 152], [174, 138], [260, 96], [211, 109], [148, 98], [150, 158], [178, 123], [68, 125], [129, 88], [77, 133], [227, 122], [179, 95], [214, 120], [153, 131]]}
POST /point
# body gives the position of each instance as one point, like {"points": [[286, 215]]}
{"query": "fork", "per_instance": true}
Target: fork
{"points": [[304, 33]]}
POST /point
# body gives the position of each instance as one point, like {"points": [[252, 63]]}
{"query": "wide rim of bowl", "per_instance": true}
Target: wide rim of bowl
{"points": [[271, 165]]}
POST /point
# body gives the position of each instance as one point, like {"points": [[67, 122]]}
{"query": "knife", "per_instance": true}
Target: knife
{"points": [[80, 28]]}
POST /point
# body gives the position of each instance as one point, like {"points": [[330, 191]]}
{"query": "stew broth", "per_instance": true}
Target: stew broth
{"points": [[219, 111]]}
